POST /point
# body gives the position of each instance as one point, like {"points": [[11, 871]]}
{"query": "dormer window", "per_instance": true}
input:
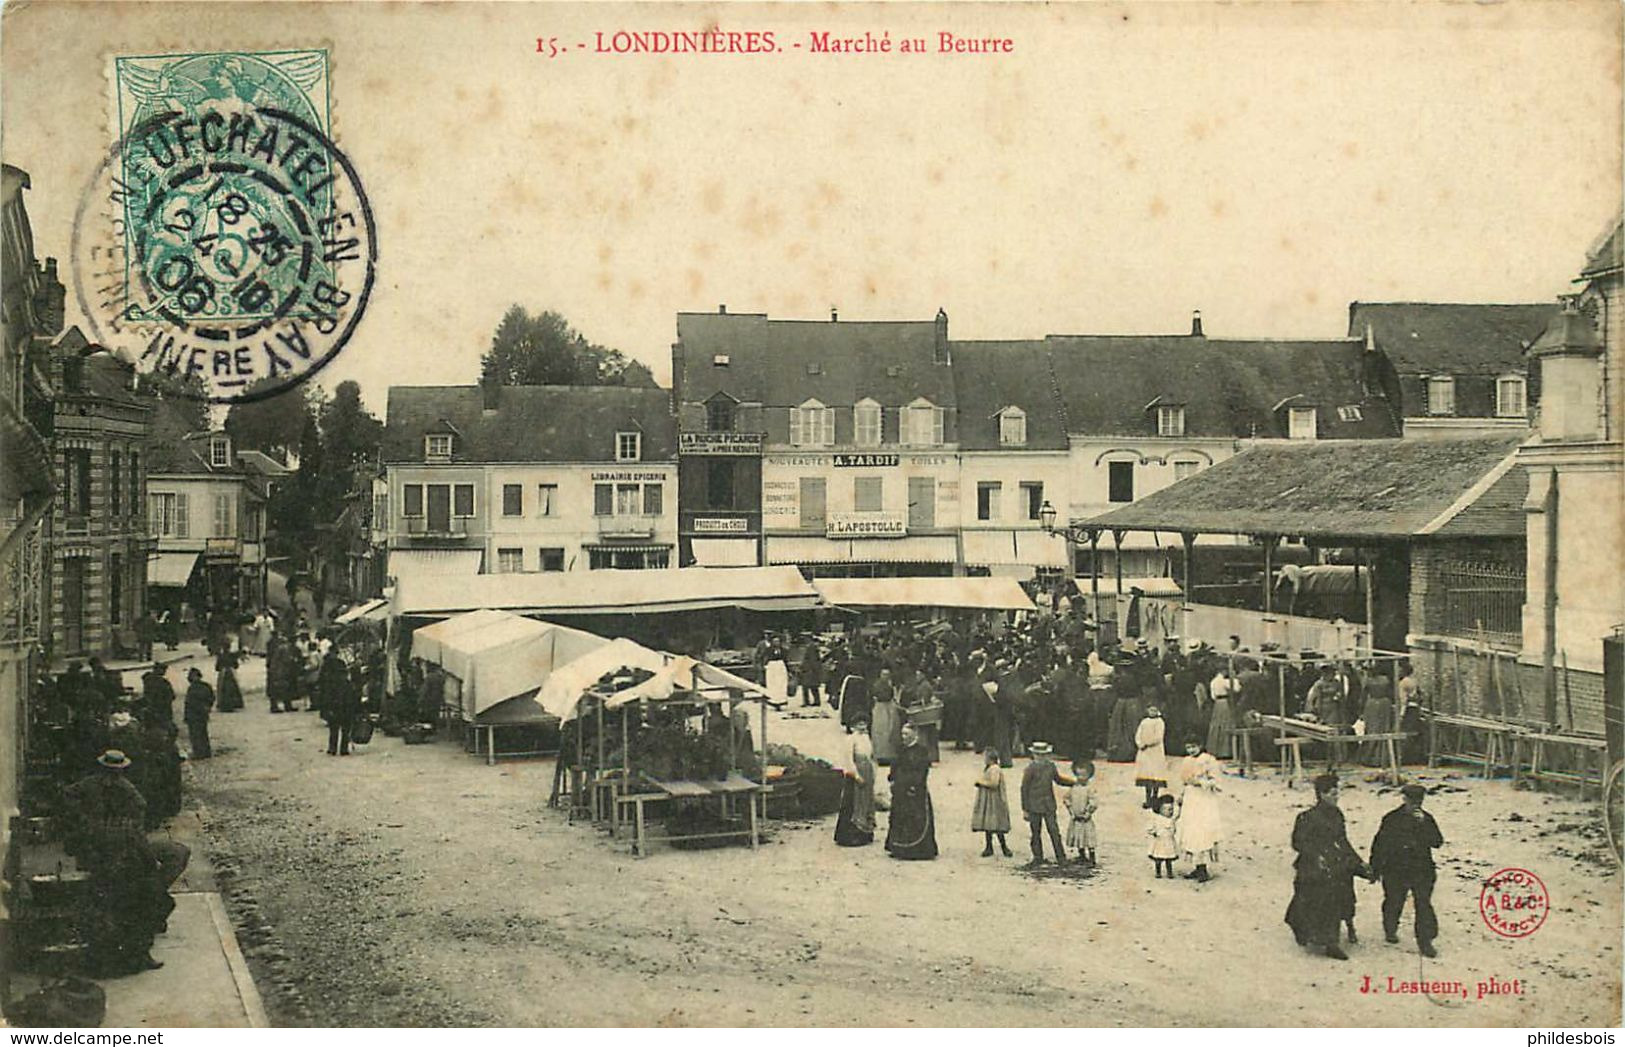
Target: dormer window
{"points": [[1511, 397], [1013, 427], [219, 452], [719, 414], [812, 425], [1300, 423], [922, 423], [437, 447], [628, 447], [1170, 420], [1441, 395], [866, 423]]}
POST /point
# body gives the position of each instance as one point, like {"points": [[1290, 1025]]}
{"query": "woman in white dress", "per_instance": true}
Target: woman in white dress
{"points": [[1200, 826], [776, 673], [1150, 764]]}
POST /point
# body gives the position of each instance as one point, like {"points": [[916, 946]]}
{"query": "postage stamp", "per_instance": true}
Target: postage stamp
{"points": [[1514, 903], [225, 237]]}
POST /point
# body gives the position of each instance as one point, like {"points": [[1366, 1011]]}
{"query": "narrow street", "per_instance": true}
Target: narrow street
{"points": [[418, 886]]}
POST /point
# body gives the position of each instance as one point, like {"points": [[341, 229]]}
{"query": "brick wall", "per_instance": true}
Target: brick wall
{"points": [[1462, 677]]}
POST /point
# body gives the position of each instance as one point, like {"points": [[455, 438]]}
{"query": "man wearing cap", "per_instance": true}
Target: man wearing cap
{"points": [[157, 695], [1038, 801], [1402, 856]]}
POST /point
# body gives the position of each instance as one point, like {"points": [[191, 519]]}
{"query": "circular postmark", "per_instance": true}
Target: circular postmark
{"points": [[230, 244], [1514, 902]]}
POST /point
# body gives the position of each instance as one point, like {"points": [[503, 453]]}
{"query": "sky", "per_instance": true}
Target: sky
{"points": [[1121, 166]]}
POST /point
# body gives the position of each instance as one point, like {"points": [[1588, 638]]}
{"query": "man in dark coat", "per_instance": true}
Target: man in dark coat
{"points": [[339, 701], [199, 702], [157, 696], [1323, 871], [1038, 802], [1402, 856]]}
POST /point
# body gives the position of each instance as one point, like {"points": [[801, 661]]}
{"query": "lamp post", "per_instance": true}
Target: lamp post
{"points": [[1077, 536]]}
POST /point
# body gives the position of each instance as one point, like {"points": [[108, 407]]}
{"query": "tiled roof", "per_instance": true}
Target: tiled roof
{"points": [[532, 423], [1231, 388], [1370, 489], [782, 363], [1452, 338], [1608, 255], [990, 376]]}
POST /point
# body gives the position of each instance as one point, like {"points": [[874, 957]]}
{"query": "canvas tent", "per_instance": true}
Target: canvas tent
{"points": [[428, 642], [561, 692]]}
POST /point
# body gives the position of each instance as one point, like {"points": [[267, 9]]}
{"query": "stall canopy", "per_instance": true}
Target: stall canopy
{"points": [[979, 594], [171, 569], [428, 642], [562, 690], [609, 592], [371, 611], [434, 563], [1159, 586], [686, 674]]}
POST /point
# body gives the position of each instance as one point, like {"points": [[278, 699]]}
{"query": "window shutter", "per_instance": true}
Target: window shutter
{"points": [[183, 516], [412, 502], [938, 414], [827, 438], [795, 425]]}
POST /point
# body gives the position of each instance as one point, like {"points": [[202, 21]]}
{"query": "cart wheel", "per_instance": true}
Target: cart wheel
{"points": [[1613, 809]]}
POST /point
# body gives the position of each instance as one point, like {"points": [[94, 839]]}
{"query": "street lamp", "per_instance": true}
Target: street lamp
{"points": [[1089, 536], [1046, 517]]}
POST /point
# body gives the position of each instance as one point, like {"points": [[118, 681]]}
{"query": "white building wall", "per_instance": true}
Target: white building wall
{"points": [[572, 525]]}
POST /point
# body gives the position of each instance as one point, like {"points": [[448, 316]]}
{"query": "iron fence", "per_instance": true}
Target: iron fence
{"points": [[1483, 601]]}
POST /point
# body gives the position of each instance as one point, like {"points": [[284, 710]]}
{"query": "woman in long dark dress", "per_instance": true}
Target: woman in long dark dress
{"points": [[912, 832], [228, 694], [855, 824], [1324, 872]]}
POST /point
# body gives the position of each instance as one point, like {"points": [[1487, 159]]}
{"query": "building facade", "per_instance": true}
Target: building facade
{"points": [[528, 479], [1575, 603], [206, 507], [97, 538], [1463, 369]]}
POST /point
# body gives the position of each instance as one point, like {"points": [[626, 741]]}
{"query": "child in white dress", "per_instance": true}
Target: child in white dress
{"points": [[1160, 827], [1080, 801]]}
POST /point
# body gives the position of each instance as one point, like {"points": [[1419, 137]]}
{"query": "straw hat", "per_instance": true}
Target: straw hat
{"points": [[114, 759], [1039, 749]]}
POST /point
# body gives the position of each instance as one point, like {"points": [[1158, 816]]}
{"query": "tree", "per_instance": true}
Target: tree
{"points": [[186, 392], [545, 350], [350, 433], [274, 423]]}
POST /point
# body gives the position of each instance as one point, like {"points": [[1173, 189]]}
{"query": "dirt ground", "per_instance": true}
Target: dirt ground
{"points": [[418, 886]]}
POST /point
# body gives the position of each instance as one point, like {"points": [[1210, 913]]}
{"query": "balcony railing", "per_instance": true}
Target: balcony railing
{"points": [[631, 526], [418, 527]]}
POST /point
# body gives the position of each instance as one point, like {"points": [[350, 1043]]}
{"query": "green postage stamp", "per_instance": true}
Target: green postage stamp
{"points": [[229, 239]]}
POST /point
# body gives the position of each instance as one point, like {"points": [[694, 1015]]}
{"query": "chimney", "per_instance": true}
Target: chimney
{"points": [[1569, 353], [722, 310], [940, 347], [490, 393], [1196, 323], [834, 315]]}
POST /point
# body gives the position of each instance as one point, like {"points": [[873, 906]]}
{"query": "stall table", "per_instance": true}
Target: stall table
{"points": [[1590, 746], [1307, 731], [1497, 740], [665, 789]]}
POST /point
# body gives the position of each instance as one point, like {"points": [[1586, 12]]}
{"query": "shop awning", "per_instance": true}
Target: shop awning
{"points": [[1026, 547], [980, 594], [371, 611], [1148, 586], [433, 563], [725, 552], [171, 569], [913, 549], [656, 591]]}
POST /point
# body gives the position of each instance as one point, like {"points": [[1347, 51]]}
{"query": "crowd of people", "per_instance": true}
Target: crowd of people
{"points": [[1045, 687]]}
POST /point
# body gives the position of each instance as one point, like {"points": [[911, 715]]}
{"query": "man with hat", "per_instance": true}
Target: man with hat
{"points": [[1038, 801], [157, 696], [1402, 856], [130, 875]]}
